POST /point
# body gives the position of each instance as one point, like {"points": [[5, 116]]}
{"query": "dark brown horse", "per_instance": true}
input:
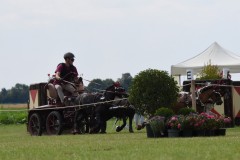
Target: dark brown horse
{"points": [[94, 107]]}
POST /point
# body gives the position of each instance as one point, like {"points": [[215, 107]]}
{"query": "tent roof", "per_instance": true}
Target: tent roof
{"points": [[214, 54]]}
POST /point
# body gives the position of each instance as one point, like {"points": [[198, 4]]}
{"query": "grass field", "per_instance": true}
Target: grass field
{"points": [[16, 143]]}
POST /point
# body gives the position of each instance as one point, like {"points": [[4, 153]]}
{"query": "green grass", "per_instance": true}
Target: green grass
{"points": [[16, 143]]}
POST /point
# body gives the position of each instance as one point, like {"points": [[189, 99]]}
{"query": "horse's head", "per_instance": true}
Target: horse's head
{"points": [[208, 94], [216, 97], [121, 92], [114, 91]]}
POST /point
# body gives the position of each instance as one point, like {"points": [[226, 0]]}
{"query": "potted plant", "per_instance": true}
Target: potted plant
{"points": [[220, 130], [174, 125], [210, 125], [200, 125], [187, 125], [206, 124], [155, 126]]}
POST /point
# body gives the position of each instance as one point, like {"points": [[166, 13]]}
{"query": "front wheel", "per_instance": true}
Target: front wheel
{"points": [[54, 123], [35, 125]]}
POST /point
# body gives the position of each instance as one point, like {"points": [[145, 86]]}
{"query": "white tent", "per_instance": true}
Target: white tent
{"points": [[214, 54]]}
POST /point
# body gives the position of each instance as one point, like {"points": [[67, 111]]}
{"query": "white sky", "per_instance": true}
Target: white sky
{"points": [[109, 37]]}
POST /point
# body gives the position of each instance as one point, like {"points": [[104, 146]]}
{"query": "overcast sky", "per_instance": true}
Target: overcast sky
{"points": [[109, 37]]}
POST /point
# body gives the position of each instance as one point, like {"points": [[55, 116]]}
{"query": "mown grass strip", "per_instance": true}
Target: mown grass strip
{"points": [[16, 143]]}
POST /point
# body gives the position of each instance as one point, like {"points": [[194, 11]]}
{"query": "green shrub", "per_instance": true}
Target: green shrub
{"points": [[165, 112], [186, 111], [151, 89], [13, 117]]}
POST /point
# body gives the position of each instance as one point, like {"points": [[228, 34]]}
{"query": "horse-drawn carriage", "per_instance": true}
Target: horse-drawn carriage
{"points": [[85, 113]]}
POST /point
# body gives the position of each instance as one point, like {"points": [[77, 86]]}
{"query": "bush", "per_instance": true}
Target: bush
{"points": [[186, 111], [165, 112], [13, 117], [153, 88]]}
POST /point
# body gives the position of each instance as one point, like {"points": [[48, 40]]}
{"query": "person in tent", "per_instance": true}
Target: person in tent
{"points": [[66, 72]]}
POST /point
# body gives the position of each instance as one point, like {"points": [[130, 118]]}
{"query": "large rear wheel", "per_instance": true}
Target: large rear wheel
{"points": [[54, 123], [35, 125]]}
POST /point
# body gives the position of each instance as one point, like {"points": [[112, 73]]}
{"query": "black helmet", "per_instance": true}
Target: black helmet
{"points": [[68, 55]]}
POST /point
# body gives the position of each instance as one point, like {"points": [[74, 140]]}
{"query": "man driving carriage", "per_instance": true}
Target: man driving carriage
{"points": [[65, 73]]}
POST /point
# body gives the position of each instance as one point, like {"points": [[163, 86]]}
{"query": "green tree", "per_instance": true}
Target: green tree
{"points": [[97, 85], [3, 95], [17, 94], [126, 80], [209, 72], [107, 83], [152, 89]]}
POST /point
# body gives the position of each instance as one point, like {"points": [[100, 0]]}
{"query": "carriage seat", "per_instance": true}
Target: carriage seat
{"points": [[52, 95], [51, 91]]}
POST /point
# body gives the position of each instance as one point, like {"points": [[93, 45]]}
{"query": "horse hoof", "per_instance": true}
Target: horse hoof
{"points": [[139, 127], [118, 129], [75, 132], [103, 132], [131, 131]]}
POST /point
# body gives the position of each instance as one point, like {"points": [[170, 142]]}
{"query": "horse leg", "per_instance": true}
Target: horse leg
{"points": [[130, 124], [119, 128], [80, 122], [103, 126], [95, 124]]}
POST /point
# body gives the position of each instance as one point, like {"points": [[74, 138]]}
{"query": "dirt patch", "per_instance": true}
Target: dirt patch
{"points": [[13, 105]]}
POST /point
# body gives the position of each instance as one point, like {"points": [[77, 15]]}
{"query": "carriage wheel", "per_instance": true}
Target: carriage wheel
{"points": [[35, 125], [54, 123]]}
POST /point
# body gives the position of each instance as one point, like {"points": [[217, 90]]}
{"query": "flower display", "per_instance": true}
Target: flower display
{"points": [[204, 124], [205, 121], [175, 122], [188, 121]]}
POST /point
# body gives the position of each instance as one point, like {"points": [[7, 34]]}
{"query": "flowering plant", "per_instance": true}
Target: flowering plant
{"points": [[175, 122], [227, 121], [157, 124], [220, 122], [206, 121], [189, 121]]}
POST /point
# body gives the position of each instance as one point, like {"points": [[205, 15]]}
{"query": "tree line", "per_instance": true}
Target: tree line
{"points": [[20, 92], [17, 94]]}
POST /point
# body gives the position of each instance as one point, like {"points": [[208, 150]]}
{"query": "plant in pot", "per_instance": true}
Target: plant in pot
{"points": [[206, 123], [220, 130], [187, 125], [155, 126], [200, 125], [167, 113], [174, 125]]}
